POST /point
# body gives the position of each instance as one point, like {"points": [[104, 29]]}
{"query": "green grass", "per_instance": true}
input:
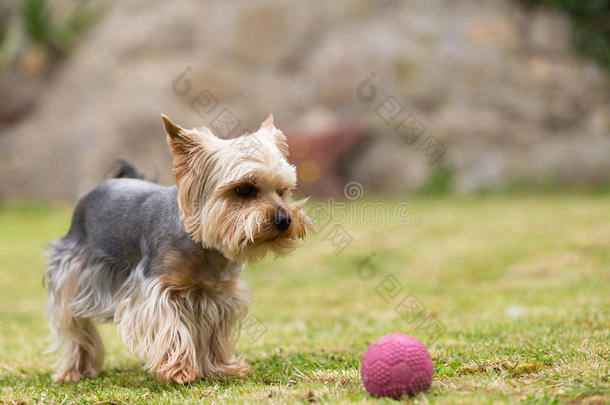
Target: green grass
{"points": [[521, 283]]}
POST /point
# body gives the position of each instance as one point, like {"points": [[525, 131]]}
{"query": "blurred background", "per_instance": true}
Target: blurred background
{"points": [[419, 96]]}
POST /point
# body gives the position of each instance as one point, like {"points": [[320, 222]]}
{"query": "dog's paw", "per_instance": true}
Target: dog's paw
{"points": [[70, 376], [178, 375], [236, 368], [67, 376], [73, 374]]}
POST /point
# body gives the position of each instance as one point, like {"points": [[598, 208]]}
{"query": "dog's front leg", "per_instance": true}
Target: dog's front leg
{"points": [[217, 358], [218, 340], [160, 328]]}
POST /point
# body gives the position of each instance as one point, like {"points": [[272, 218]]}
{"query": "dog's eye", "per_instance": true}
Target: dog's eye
{"points": [[245, 190], [280, 192]]}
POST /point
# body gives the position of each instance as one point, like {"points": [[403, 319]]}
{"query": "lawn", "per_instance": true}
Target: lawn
{"points": [[518, 288]]}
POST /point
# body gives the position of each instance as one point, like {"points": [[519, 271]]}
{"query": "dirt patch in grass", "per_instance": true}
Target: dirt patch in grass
{"points": [[516, 369], [593, 399]]}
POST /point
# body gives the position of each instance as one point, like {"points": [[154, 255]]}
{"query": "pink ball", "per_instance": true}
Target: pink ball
{"points": [[395, 365]]}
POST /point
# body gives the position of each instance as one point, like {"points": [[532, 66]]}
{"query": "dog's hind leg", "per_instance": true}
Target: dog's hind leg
{"points": [[158, 326], [82, 351]]}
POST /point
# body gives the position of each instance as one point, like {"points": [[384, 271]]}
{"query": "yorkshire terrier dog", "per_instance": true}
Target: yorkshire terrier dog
{"points": [[165, 263]]}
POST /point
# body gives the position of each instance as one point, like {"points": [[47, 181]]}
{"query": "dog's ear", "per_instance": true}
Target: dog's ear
{"points": [[179, 139], [268, 123], [278, 136]]}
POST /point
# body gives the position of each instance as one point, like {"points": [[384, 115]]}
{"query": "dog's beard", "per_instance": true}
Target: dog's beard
{"points": [[241, 231], [248, 234]]}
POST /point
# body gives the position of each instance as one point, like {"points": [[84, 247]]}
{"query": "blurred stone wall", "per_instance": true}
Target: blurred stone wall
{"points": [[499, 86]]}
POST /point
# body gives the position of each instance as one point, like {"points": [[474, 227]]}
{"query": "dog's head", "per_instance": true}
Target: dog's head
{"points": [[235, 194]]}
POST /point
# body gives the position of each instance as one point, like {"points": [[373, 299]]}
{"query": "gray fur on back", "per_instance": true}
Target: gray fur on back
{"points": [[122, 230]]}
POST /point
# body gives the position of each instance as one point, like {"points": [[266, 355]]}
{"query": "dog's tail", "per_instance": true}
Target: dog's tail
{"points": [[122, 170]]}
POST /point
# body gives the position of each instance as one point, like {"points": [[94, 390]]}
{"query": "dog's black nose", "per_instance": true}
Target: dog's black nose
{"points": [[281, 219]]}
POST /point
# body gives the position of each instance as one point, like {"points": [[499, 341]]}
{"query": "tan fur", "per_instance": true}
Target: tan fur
{"points": [[183, 324], [280, 138], [206, 169]]}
